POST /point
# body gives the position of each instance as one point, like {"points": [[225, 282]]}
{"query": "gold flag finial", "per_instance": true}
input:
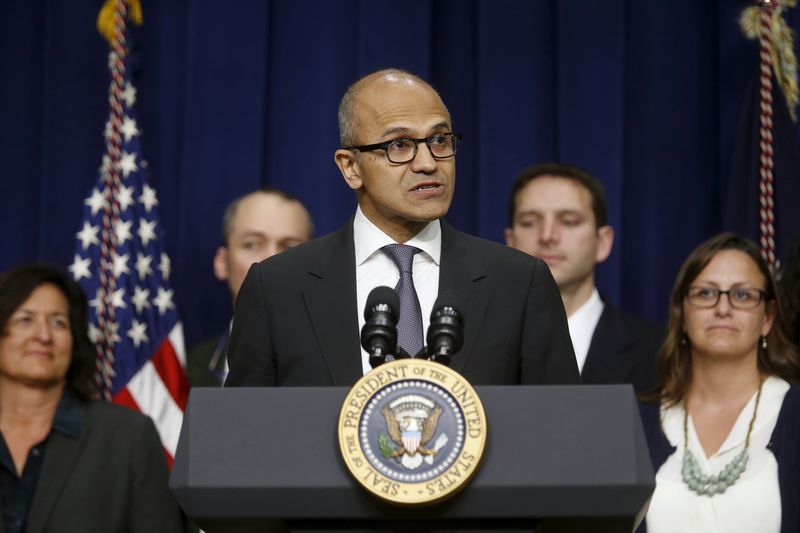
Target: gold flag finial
{"points": [[105, 19]]}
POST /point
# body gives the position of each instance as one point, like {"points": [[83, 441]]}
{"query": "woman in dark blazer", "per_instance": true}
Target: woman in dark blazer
{"points": [[69, 463], [723, 426]]}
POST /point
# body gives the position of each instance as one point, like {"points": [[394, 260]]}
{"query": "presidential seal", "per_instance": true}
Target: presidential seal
{"points": [[412, 431]]}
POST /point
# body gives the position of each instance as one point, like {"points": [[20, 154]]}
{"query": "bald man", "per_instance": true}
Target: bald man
{"points": [[299, 314], [255, 226]]}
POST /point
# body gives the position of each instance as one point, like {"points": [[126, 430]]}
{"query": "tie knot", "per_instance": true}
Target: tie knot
{"points": [[402, 255]]}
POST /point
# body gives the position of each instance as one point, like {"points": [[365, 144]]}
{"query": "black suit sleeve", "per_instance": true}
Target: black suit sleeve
{"points": [[546, 355], [153, 508], [250, 356]]}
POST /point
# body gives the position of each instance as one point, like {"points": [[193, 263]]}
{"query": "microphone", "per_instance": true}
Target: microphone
{"points": [[446, 332], [379, 334]]}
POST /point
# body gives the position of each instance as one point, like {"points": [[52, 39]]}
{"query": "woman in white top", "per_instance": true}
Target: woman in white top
{"points": [[722, 428]]}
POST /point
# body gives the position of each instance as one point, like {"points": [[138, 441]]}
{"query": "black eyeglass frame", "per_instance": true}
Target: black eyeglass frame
{"points": [[427, 140], [762, 296]]}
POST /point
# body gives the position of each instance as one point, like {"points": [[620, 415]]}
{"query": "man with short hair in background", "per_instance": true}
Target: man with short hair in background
{"points": [[558, 213], [255, 226]]}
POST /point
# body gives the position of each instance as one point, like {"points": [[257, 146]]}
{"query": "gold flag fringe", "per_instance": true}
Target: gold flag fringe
{"points": [[784, 60]]}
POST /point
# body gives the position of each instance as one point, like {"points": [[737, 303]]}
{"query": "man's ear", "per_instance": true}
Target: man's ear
{"points": [[509, 235], [221, 263], [605, 241], [347, 161]]}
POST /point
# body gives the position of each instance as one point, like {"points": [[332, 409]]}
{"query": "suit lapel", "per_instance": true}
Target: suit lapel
{"points": [[460, 271], [332, 307], [60, 457], [605, 359]]}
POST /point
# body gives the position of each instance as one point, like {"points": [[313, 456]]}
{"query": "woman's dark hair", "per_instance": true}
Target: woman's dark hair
{"points": [[16, 286], [674, 364]]}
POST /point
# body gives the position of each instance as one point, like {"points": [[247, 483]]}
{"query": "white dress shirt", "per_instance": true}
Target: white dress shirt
{"points": [[374, 268], [582, 324], [751, 504]]}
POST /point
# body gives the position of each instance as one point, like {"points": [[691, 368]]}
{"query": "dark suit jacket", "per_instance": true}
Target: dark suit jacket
{"points": [[623, 350], [199, 358], [112, 478], [296, 319]]}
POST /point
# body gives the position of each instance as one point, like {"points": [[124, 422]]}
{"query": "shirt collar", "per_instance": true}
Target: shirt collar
{"points": [[588, 314], [369, 239], [582, 324], [67, 419]]}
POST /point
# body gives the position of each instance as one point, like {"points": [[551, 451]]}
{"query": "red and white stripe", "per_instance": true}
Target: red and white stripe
{"points": [[160, 388]]}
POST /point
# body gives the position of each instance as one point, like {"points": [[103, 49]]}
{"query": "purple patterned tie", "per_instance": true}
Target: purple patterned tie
{"points": [[409, 327]]}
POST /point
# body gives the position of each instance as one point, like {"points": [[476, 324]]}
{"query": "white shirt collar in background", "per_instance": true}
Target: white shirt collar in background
{"points": [[582, 324]]}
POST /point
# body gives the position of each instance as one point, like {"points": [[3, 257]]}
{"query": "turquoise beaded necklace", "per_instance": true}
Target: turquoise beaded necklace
{"points": [[715, 484]]}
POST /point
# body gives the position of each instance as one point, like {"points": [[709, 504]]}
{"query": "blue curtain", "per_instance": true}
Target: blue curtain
{"points": [[645, 94]]}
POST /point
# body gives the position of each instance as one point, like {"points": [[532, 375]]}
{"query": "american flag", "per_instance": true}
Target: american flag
{"points": [[121, 263]]}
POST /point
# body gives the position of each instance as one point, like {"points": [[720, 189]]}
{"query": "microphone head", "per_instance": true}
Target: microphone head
{"points": [[379, 334], [446, 332], [448, 302], [383, 296]]}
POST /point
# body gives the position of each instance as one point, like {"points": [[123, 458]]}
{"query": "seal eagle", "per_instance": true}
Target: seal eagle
{"points": [[411, 433]]}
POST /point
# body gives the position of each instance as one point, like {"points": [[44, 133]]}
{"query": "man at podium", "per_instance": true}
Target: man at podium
{"points": [[298, 314]]}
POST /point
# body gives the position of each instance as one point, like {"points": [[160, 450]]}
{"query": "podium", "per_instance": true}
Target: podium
{"points": [[557, 458]]}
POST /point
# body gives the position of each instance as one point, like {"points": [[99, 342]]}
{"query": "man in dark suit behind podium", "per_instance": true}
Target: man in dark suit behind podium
{"points": [[558, 213], [298, 315]]}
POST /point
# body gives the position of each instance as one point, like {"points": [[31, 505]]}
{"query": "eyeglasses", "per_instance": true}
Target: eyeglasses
{"points": [[738, 297], [403, 150]]}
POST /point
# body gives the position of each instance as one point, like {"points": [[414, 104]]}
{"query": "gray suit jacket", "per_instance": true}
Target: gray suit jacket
{"points": [[296, 319], [112, 478]]}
